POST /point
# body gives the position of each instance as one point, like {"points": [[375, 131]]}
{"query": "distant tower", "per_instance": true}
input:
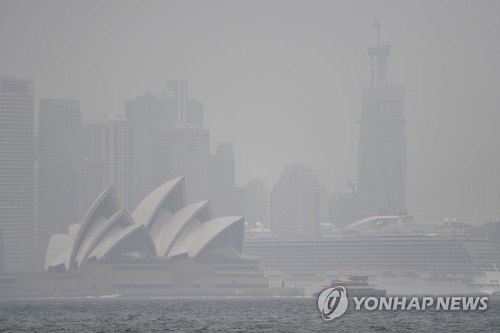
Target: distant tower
{"points": [[151, 114], [113, 151], [91, 184], [256, 203], [16, 174], [182, 150], [185, 110], [382, 145], [221, 181], [59, 132], [299, 204]]}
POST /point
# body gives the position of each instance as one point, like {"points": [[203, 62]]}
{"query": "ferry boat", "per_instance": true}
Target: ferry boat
{"points": [[356, 286]]}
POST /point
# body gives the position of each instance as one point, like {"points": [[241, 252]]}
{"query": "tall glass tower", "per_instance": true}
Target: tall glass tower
{"points": [[382, 145], [17, 184], [59, 135]]}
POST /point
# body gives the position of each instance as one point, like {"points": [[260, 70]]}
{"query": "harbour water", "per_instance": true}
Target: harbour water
{"points": [[273, 314]]}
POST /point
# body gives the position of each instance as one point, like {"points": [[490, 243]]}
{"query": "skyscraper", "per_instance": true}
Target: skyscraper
{"points": [[299, 204], [108, 159], [221, 182], [151, 113], [185, 110], [113, 143], [16, 174], [91, 168], [182, 150], [256, 203], [59, 133], [382, 146]]}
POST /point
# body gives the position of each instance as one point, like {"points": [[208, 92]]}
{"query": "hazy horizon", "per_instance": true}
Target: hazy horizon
{"points": [[287, 74]]}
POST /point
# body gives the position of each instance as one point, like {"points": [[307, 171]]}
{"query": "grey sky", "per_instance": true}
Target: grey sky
{"points": [[282, 80]]}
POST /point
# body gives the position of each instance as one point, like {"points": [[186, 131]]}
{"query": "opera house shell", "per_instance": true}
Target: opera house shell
{"points": [[161, 226], [163, 248]]}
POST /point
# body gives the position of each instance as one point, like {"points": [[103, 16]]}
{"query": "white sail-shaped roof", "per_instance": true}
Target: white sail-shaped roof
{"points": [[105, 231], [73, 230], [174, 228], [59, 251], [102, 209], [133, 241], [109, 231], [160, 226], [211, 232], [184, 243], [162, 203]]}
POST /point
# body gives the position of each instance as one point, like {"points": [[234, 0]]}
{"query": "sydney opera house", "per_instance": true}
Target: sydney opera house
{"points": [[164, 247]]}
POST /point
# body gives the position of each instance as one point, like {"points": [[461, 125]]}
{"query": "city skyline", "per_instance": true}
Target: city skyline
{"points": [[310, 77], [249, 165]]}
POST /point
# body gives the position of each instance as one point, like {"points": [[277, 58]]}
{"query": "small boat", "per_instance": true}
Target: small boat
{"points": [[355, 286]]}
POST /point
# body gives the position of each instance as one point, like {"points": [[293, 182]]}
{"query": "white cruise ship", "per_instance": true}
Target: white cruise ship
{"points": [[400, 256]]}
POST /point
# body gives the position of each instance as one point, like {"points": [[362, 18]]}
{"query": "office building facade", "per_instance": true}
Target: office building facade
{"points": [[299, 204], [256, 204], [16, 175], [150, 114], [59, 139]]}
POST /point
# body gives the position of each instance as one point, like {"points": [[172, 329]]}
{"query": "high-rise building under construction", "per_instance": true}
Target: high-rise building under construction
{"points": [[382, 145]]}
